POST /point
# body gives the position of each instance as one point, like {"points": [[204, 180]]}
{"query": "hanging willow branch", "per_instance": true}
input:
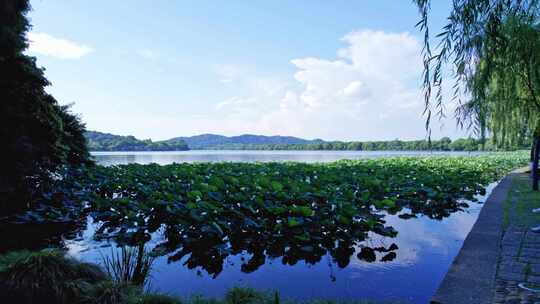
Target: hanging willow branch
{"points": [[491, 49]]}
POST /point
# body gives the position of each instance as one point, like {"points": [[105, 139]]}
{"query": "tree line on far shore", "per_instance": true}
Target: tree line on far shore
{"points": [[98, 141], [444, 144]]}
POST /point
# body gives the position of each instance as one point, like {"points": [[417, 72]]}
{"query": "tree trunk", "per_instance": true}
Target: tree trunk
{"points": [[533, 146], [534, 168]]}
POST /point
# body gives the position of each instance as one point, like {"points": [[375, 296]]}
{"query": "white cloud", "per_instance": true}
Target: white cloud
{"points": [[45, 44], [352, 88], [377, 69], [380, 53], [290, 100], [371, 90]]}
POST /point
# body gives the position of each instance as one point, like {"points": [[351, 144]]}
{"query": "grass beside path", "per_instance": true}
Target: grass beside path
{"points": [[519, 255], [519, 203]]}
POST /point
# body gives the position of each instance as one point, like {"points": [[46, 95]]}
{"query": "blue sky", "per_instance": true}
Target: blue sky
{"points": [[346, 70]]}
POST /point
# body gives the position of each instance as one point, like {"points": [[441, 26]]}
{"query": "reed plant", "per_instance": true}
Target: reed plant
{"points": [[129, 265]]}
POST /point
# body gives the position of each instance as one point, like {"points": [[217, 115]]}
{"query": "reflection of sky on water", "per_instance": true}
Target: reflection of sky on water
{"points": [[416, 235], [426, 250]]}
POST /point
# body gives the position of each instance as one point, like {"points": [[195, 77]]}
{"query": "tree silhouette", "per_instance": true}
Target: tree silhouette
{"points": [[38, 135]]}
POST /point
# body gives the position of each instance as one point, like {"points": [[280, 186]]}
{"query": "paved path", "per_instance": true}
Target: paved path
{"points": [[499, 253], [519, 262], [519, 258]]}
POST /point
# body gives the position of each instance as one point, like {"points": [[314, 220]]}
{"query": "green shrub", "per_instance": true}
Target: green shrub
{"points": [[30, 277], [90, 272], [243, 295], [341, 302], [9, 259], [152, 298], [109, 292], [201, 300]]}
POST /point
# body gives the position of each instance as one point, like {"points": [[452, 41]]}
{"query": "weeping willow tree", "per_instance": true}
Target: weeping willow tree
{"points": [[491, 48], [505, 84]]}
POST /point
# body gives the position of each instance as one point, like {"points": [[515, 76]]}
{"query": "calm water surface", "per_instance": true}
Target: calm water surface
{"points": [[163, 158], [426, 247]]}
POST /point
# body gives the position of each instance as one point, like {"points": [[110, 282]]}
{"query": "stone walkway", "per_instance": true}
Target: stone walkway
{"points": [[519, 262], [519, 259]]}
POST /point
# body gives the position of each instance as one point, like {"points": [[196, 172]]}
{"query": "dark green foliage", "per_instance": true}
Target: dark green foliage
{"points": [[444, 144], [73, 142], [38, 135], [259, 142], [108, 292], [492, 48], [244, 295], [213, 141], [91, 273], [27, 277], [202, 300], [155, 299], [505, 84], [98, 141], [49, 276], [247, 295], [472, 26], [13, 27]]}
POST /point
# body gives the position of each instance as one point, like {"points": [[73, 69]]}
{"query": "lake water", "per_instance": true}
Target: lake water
{"points": [[162, 158], [409, 274]]}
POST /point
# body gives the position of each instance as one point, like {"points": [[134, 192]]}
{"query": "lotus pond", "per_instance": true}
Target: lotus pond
{"points": [[381, 229]]}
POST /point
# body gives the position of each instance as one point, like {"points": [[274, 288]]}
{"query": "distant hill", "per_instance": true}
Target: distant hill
{"points": [[212, 141], [98, 141]]}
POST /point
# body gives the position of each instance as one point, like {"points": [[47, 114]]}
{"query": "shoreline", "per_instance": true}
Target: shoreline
{"points": [[471, 277]]}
